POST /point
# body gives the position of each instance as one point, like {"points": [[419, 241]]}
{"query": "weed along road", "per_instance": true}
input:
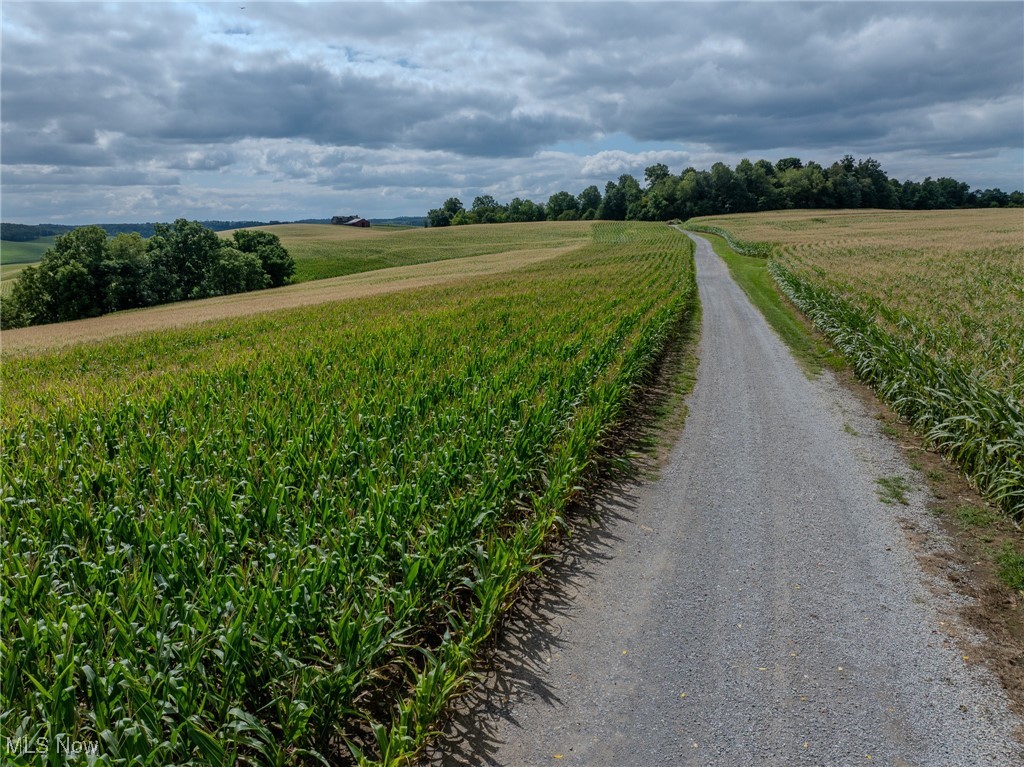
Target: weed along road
{"points": [[756, 604]]}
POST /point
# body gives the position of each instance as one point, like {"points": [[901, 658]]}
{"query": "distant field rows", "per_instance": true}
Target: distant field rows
{"points": [[322, 251], [281, 538], [15, 256], [24, 252], [290, 296], [927, 306]]}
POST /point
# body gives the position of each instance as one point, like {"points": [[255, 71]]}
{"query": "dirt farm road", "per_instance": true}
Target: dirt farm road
{"points": [[757, 604]]}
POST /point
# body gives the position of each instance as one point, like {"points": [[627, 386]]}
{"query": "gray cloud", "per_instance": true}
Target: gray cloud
{"points": [[393, 103]]}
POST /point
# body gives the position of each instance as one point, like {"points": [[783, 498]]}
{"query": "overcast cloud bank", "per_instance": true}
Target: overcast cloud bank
{"points": [[156, 111]]}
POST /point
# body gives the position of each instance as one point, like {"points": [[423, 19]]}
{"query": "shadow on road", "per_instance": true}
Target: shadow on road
{"points": [[531, 632]]}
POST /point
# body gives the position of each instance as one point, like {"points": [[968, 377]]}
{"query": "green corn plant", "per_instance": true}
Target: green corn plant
{"points": [[980, 428], [282, 540]]}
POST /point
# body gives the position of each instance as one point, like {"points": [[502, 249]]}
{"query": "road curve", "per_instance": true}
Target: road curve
{"points": [[757, 604]]}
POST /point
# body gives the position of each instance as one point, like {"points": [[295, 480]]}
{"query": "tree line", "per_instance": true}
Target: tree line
{"points": [[86, 273], [749, 187], [28, 232]]}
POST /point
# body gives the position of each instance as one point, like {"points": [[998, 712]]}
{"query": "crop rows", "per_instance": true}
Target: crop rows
{"points": [[979, 427], [282, 540], [322, 251], [927, 308]]}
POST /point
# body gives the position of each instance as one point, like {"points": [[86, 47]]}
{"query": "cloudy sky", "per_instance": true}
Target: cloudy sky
{"points": [[153, 111]]}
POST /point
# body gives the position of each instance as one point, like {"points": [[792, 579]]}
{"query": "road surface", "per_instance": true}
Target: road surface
{"points": [[757, 604]]}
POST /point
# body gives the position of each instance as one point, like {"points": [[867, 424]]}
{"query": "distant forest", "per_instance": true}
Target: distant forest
{"points": [[749, 187], [29, 232]]}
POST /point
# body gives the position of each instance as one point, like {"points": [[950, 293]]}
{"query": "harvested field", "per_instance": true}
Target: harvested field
{"points": [[322, 250], [350, 286]]}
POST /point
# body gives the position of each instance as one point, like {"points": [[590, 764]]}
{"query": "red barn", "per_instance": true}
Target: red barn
{"points": [[350, 221]]}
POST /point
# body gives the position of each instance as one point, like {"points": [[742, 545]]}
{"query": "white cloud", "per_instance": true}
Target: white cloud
{"points": [[287, 108]]}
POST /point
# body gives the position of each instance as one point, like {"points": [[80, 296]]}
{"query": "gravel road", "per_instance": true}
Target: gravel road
{"points": [[757, 604]]}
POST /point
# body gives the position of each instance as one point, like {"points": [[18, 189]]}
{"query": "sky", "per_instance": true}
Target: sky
{"points": [[256, 111]]}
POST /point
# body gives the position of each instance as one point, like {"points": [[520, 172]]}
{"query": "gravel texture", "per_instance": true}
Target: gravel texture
{"points": [[758, 604]]}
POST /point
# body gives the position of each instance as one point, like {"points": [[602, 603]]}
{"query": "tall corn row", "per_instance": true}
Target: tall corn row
{"points": [[980, 428]]}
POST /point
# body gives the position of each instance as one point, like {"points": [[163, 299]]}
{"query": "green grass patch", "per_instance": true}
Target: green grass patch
{"points": [[893, 489], [969, 515], [751, 273], [1011, 567]]}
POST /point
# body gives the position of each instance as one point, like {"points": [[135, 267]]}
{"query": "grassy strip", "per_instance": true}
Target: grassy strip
{"points": [[978, 427], [751, 273], [742, 247], [281, 540]]}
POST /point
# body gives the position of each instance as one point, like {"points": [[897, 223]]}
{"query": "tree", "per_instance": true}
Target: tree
{"points": [[68, 283], [234, 271], [124, 273], [756, 180], [613, 206], [487, 210], [162, 278], [844, 185], [655, 173], [25, 304], [630, 188], [520, 211], [589, 202], [992, 198], [276, 262], [652, 207], [788, 163], [192, 249], [694, 193], [562, 206], [86, 274], [727, 192], [804, 187], [952, 193], [72, 292], [876, 192], [452, 206], [438, 217], [760, 185]]}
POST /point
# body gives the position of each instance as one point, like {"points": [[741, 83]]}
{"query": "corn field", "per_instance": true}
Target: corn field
{"points": [[927, 308], [282, 540]]}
